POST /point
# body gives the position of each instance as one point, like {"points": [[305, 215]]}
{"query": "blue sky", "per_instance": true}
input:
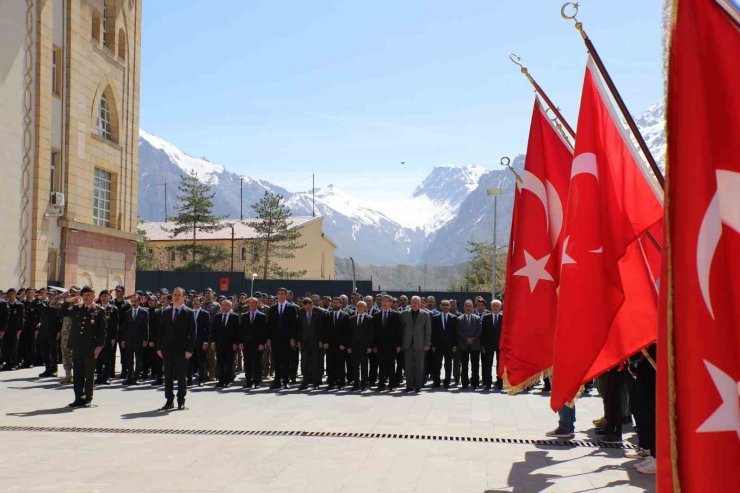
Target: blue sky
{"points": [[347, 89]]}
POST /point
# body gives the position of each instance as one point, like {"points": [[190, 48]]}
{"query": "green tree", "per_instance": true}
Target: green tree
{"points": [[479, 273], [195, 213], [145, 259], [276, 238]]}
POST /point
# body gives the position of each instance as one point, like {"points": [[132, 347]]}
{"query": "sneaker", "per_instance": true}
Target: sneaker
{"points": [[559, 433], [647, 466], [638, 453]]}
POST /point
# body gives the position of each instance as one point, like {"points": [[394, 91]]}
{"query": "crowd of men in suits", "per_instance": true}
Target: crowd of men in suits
{"points": [[382, 343]]}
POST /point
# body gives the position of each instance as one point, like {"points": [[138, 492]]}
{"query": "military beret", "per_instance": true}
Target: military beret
{"points": [[120, 288], [192, 291], [105, 291], [140, 293], [242, 294], [208, 290], [11, 290], [86, 289]]}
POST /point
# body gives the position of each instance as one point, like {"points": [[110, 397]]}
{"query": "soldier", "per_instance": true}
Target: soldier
{"points": [[27, 341], [3, 324], [106, 364], [64, 338], [87, 340], [48, 334], [13, 327]]}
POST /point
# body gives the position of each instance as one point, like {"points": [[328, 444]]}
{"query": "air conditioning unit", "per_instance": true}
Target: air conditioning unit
{"points": [[57, 199]]}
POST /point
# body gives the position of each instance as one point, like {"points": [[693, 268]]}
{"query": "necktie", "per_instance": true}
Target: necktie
{"points": [[359, 320], [444, 322], [175, 314], [280, 309], [251, 318], [308, 316], [467, 319], [385, 317], [136, 310]]}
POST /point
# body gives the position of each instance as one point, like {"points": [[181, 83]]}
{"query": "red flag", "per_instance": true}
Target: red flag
{"points": [[698, 434], [608, 300], [534, 255]]}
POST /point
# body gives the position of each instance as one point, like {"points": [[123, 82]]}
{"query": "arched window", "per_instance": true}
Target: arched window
{"points": [[95, 25], [109, 24], [121, 44], [107, 116]]}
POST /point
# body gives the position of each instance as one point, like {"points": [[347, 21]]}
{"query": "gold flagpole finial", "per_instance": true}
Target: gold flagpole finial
{"points": [[573, 6], [518, 61], [506, 162], [558, 126]]}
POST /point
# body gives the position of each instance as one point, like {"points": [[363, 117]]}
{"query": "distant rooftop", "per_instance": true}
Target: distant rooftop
{"points": [[243, 230]]}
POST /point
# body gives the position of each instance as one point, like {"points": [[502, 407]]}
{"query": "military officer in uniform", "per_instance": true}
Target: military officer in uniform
{"points": [[64, 335], [13, 327], [87, 339]]}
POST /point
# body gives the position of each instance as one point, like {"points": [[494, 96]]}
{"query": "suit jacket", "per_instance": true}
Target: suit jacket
{"points": [[135, 331], [444, 336], [202, 327], [388, 337], [491, 331], [285, 327], [113, 321], [225, 335], [468, 329], [334, 328], [179, 335], [360, 337], [253, 334], [88, 327], [417, 334], [309, 332]]}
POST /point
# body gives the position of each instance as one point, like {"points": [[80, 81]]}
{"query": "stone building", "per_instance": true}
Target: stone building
{"points": [[69, 125], [316, 257]]}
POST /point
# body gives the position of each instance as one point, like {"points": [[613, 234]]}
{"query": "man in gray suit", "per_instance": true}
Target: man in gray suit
{"points": [[468, 343], [309, 343], [417, 338]]}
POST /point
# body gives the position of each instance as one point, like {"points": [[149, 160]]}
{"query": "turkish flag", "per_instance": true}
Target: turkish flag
{"points": [[534, 255], [608, 298], [698, 423]]}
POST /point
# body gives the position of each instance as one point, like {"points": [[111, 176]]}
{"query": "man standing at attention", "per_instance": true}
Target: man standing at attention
{"points": [[175, 345], [417, 338], [282, 322]]}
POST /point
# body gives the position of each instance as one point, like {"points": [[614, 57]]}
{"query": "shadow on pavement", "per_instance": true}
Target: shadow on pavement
{"points": [[154, 413], [42, 412]]}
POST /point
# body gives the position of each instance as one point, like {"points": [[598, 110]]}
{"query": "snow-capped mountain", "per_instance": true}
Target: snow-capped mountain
{"points": [[366, 234], [436, 200], [652, 127]]}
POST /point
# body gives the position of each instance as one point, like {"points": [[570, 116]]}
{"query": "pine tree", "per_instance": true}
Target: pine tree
{"points": [[276, 238], [478, 272], [194, 213]]}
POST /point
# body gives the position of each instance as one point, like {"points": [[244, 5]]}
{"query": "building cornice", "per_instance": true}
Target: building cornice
{"points": [[101, 230]]}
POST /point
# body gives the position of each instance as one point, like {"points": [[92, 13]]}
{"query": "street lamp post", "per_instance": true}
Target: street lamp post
{"points": [[494, 192], [251, 288]]}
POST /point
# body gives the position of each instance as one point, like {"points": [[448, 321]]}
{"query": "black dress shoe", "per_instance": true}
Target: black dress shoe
{"points": [[286, 386], [275, 386], [303, 386], [219, 385], [167, 406], [180, 405], [408, 389], [159, 381], [316, 386], [45, 374], [330, 387], [190, 381], [87, 403], [611, 438], [77, 403]]}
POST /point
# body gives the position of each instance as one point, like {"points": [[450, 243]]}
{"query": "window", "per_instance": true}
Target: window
{"points": [[106, 41], [121, 44], [243, 253], [56, 71], [101, 197], [96, 25], [109, 25], [172, 255], [54, 166], [104, 118]]}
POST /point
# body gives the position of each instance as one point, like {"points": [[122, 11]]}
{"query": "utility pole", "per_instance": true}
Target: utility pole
{"points": [[494, 192], [165, 201], [313, 195]]}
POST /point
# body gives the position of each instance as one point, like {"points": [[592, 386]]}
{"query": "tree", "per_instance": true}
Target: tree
{"points": [[145, 258], [276, 238], [194, 213], [478, 273]]}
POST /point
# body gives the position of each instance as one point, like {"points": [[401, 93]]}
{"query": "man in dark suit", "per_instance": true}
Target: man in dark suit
{"points": [[417, 339], [87, 339], [106, 363], [360, 342], [444, 343], [468, 343], [282, 323], [332, 336], [175, 345], [252, 339], [199, 361], [387, 343], [224, 338], [134, 338], [489, 339], [309, 342]]}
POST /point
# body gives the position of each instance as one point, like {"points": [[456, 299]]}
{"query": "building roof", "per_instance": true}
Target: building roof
{"points": [[243, 230]]}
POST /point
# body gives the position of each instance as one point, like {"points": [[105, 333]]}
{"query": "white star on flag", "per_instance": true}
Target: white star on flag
{"points": [[727, 416], [567, 259], [534, 270]]}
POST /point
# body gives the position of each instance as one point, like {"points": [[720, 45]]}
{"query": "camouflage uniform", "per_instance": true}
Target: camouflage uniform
{"points": [[212, 308], [66, 349]]}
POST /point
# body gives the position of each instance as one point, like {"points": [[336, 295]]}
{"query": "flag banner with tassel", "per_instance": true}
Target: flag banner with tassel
{"points": [[534, 255], [698, 416], [607, 308]]}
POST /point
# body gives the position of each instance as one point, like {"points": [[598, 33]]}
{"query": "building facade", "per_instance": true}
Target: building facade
{"points": [[69, 122], [316, 258]]}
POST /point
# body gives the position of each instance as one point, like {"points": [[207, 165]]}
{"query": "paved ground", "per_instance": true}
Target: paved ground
{"points": [[149, 456]]}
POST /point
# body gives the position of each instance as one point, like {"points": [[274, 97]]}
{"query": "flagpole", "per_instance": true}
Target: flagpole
{"points": [[506, 162], [518, 61], [613, 89]]}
